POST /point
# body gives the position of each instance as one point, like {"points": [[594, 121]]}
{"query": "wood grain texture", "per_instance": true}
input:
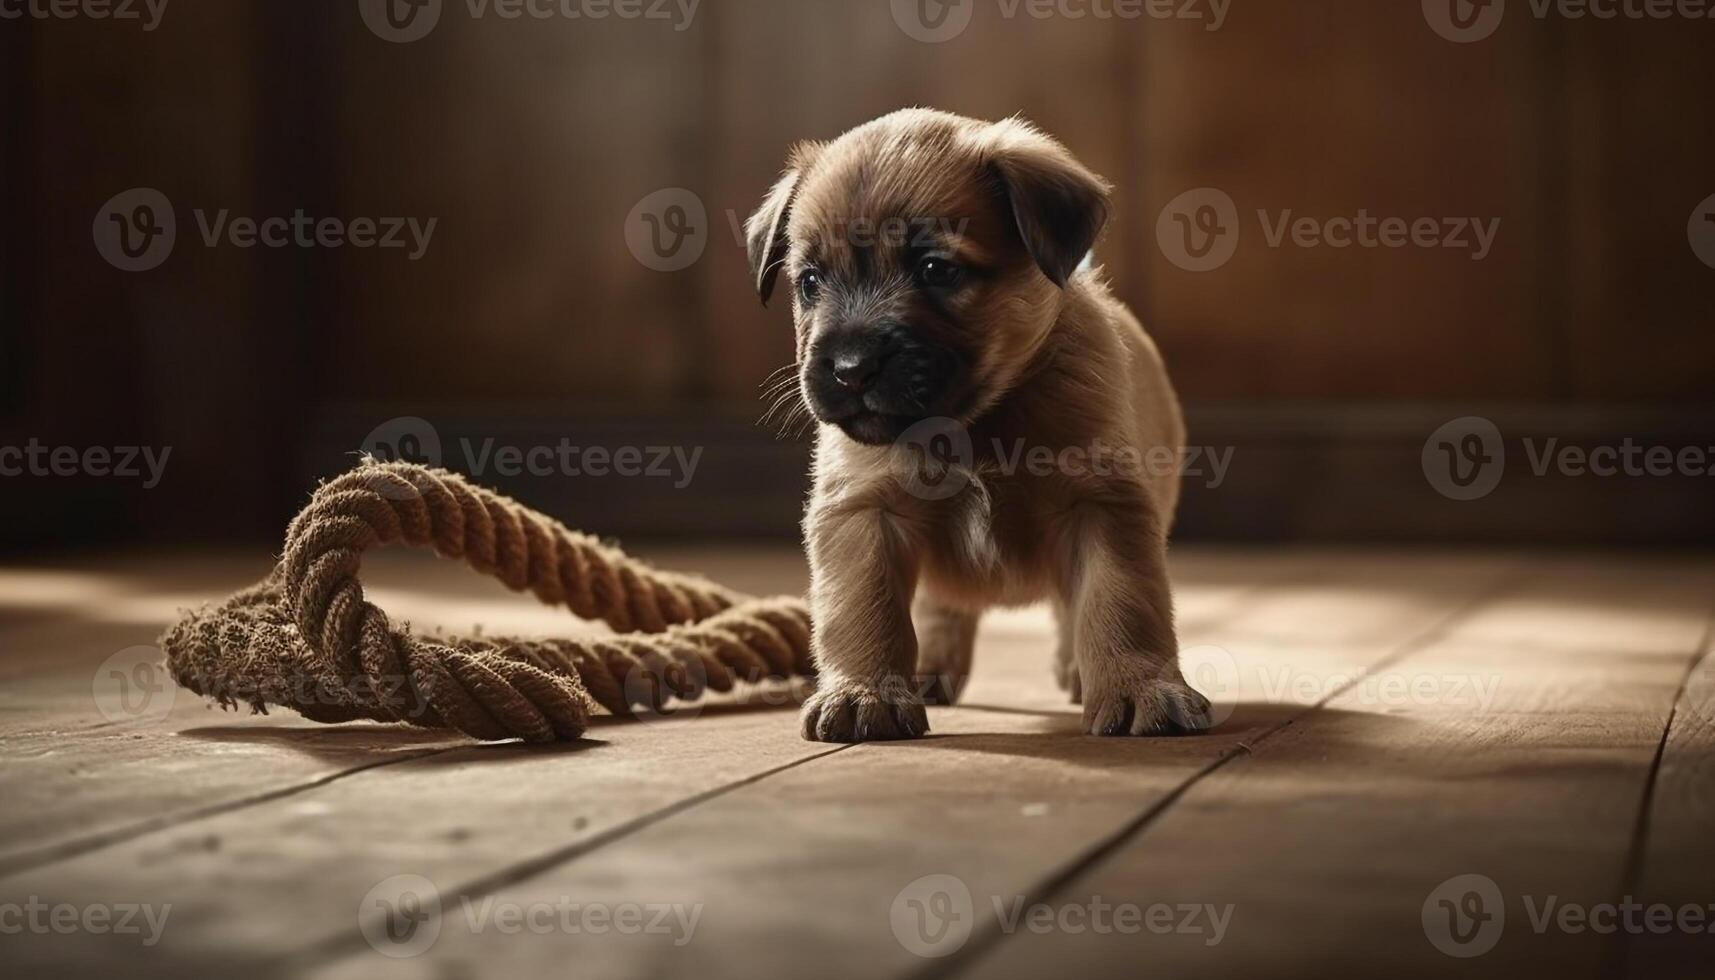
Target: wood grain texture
{"points": [[996, 798], [1677, 851], [1520, 755], [1391, 720]]}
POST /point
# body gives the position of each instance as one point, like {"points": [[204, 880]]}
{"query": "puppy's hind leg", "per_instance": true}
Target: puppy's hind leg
{"points": [[1066, 655], [1115, 585], [946, 641]]}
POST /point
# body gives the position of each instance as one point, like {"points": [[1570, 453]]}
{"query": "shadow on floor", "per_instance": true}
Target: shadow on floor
{"points": [[1061, 736]]}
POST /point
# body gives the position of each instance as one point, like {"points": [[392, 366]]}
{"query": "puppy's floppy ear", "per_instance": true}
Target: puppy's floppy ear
{"points": [[1060, 205], [765, 232]]}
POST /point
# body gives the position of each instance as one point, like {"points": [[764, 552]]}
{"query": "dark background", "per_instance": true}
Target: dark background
{"points": [[530, 320]]}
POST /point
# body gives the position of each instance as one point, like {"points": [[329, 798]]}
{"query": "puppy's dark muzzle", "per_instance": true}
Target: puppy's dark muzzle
{"points": [[875, 380], [855, 362]]}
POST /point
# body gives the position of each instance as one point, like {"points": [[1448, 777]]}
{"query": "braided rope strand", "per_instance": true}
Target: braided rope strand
{"points": [[305, 638]]}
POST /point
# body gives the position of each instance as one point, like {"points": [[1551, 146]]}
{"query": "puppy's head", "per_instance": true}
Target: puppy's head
{"points": [[926, 254]]}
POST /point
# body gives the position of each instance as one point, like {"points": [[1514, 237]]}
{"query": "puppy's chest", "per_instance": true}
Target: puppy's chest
{"points": [[990, 543]]}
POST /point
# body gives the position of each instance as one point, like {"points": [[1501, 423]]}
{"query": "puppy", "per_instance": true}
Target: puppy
{"points": [[946, 332]]}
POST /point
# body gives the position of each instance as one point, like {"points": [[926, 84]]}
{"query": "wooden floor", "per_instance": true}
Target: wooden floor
{"points": [[1435, 764]]}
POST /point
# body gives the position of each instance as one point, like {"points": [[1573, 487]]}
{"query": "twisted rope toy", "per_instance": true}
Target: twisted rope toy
{"points": [[305, 638]]}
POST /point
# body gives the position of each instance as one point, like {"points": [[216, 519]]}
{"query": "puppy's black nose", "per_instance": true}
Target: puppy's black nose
{"points": [[854, 357], [854, 370]]}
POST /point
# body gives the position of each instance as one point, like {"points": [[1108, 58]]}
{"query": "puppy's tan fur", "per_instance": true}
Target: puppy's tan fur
{"points": [[899, 580]]}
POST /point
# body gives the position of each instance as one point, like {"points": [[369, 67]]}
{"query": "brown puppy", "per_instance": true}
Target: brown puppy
{"points": [[985, 407]]}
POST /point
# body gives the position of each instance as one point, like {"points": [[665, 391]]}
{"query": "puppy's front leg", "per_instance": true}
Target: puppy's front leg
{"points": [[1116, 596], [863, 574]]}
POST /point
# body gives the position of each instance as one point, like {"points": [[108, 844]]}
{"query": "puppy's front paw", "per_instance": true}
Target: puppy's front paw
{"points": [[845, 711], [1145, 707]]}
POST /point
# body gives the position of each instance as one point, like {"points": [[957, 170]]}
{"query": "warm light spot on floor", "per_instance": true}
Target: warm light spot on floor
{"points": [[37, 589]]}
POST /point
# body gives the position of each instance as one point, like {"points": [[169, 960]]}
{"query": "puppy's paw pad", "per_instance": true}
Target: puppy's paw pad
{"points": [[846, 712], [1152, 707]]}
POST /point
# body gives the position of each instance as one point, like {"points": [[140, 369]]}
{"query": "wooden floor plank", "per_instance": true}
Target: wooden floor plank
{"points": [[248, 885], [82, 770], [1676, 853], [1333, 842], [799, 874], [80, 779], [1533, 773]]}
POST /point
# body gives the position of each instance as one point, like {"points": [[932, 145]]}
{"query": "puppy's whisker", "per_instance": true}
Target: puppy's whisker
{"points": [[786, 413]]}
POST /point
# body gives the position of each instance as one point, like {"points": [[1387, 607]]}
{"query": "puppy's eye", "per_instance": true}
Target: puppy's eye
{"points": [[939, 273], [810, 285]]}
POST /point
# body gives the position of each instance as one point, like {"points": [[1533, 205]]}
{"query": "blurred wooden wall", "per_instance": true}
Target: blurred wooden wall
{"points": [[530, 142]]}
